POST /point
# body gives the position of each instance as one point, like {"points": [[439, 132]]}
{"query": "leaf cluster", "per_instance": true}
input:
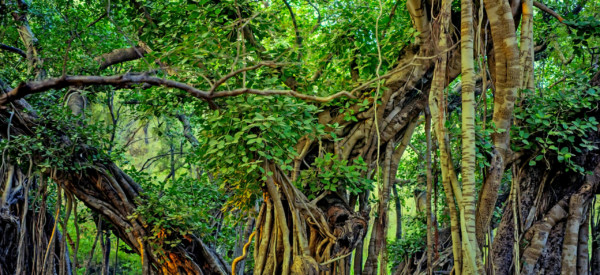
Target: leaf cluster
{"points": [[557, 125], [330, 173]]}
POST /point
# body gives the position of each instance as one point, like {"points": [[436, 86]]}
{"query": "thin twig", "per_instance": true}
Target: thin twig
{"points": [[557, 82]]}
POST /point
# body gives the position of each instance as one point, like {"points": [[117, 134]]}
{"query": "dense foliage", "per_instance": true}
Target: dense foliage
{"points": [[202, 162]]}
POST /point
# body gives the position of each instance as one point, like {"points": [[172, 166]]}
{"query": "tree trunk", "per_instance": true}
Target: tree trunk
{"points": [[297, 236], [398, 213], [107, 190], [552, 225], [403, 99]]}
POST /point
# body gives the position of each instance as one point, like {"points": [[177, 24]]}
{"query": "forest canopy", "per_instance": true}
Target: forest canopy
{"points": [[299, 137]]}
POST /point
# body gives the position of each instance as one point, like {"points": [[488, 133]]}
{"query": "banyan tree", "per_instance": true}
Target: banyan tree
{"points": [[276, 137]]}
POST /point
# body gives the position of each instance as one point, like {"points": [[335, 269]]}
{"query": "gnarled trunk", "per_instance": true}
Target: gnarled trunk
{"points": [[297, 236], [552, 216], [107, 190]]}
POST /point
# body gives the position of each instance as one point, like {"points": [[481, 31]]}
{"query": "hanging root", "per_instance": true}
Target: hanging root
{"points": [[243, 256]]}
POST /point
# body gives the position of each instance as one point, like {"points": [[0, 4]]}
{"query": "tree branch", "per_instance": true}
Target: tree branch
{"points": [[319, 19], [97, 20], [13, 50], [121, 81], [392, 13], [297, 31], [281, 92], [187, 129], [119, 56], [545, 9], [127, 80]]}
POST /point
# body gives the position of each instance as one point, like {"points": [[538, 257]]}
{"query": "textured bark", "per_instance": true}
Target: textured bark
{"points": [[402, 100], [595, 260], [507, 75], [464, 258], [527, 49], [550, 261], [77, 102], [541, 230], [552, 203], [431, 246], [107, 190], [297, 236], [398, 205], [544, 216], [508, 72], [595, 226], [377, 245], [468, 164], [571, 240], [357, 261], [583, 261], [29, 40]]}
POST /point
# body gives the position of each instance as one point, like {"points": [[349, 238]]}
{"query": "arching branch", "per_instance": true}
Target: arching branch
{"points": [[127, 80]]}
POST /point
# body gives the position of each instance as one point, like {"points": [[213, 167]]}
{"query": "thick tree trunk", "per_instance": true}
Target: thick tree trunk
{"points": [[297, 236], [595, 260], [402, 100], [107, 190], [364, 207], [552, 225], [398, 212], [552, 214]]}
